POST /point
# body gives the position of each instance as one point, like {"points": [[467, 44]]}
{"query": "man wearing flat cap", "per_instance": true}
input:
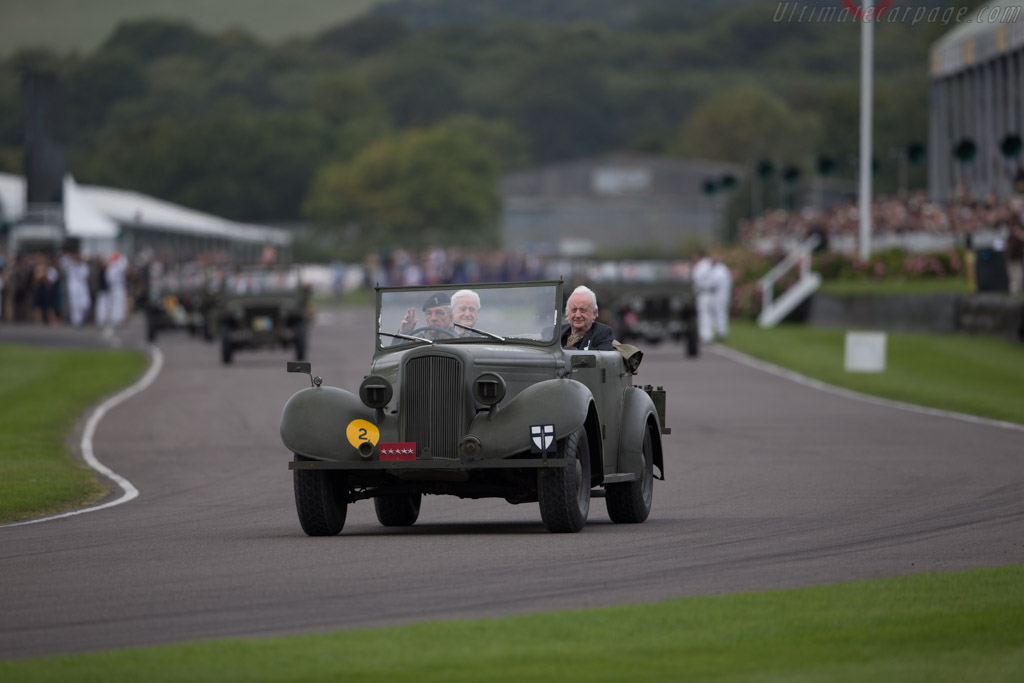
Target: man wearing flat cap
{"points": [[438, 312]]}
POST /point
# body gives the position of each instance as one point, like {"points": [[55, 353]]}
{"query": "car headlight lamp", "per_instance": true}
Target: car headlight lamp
{"points": [[375, 392], [489, 388]]}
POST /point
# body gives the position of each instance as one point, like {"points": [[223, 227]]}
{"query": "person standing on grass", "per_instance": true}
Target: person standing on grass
{"points": [[1015, 255]]}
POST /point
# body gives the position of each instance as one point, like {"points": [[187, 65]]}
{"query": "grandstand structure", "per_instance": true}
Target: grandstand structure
{"points": [[101, 220], [617, 201], [976, 109]]}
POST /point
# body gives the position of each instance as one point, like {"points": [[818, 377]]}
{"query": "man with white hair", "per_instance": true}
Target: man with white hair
{"points": [[465, 310], [583, 332]]}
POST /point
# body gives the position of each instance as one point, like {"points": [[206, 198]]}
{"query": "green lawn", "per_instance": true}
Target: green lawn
{"points": [[966, 626], [42, 394], [976, 375], [893, 286]]}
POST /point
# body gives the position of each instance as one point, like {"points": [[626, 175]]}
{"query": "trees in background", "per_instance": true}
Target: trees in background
{"points": [[232, 125]]}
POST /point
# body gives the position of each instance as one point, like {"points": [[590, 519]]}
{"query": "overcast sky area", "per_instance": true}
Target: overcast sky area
{"points": [[82, 25]]}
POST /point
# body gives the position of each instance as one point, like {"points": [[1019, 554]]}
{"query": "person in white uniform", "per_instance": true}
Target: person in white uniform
{"points": [[76, 277], [704, 285], [110, 304], [721, 277]]}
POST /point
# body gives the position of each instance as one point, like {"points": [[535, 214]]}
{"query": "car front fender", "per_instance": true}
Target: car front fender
{"points": [[506, 431], [315, 422], [638, 411]]}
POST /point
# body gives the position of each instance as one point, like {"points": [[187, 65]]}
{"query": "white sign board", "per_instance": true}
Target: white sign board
{"points": [[865, 352]]}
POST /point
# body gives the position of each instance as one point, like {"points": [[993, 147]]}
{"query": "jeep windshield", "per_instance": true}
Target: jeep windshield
{"points": [[481, 313]]}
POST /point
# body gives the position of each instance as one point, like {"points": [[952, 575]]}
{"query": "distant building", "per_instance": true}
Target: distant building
{"points": [[102, 219], [976, 105], [616, 202]]}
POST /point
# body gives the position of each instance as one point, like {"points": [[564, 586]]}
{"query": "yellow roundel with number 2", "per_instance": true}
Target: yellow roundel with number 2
{"points": [[360, 431]]}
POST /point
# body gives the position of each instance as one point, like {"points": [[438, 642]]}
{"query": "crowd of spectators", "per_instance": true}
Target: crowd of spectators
{"points": [[962, 222], [44, 288], [452, 265]]}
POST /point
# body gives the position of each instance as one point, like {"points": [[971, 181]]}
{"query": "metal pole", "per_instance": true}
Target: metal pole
{"points": [[866, 66]]}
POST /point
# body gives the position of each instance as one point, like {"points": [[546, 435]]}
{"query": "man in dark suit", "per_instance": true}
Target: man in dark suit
{"points": [[583, 331]]}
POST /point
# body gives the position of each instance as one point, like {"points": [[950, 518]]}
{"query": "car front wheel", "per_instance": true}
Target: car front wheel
{"points": [[564, 492], [321, 499], [630, 503]]}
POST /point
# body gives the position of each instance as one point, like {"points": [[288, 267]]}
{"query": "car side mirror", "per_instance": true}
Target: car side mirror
{"points": [[304, 367]]}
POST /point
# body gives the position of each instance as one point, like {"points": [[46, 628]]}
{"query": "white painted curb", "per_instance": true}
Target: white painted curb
{"points": [[130, 492]]}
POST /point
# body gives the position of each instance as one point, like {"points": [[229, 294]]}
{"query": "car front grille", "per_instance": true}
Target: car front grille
{"points": [[432, 405]]}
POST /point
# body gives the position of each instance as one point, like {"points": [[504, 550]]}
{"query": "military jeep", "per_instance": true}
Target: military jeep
{"points": [[263, 308], [177, 301], [497, 409], [655, 312]]}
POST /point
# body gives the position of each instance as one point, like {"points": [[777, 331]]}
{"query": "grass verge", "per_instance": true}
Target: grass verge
{"points": [[928, 627], [896, 286], [43, 392], [975, 375]]}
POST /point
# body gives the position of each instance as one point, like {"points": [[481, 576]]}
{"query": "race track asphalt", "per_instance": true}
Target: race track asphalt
{"points": [[770, 484]]}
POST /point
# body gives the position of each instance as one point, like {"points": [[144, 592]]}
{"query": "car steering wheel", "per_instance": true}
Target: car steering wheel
{"points": [[430, 328]]}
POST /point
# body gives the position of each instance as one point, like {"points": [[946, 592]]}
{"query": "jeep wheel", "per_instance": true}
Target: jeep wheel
{"points": [[225, 349], [399, 510], [630, 503], [564, 493], [300, 342], [692, 340], [321, 499]]}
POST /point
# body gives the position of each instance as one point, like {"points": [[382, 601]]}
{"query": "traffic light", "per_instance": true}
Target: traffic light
{"points": [[791, 174], [765, 169], [727, 181], [965, 150], [709, 186], [915, 153], [1010, 146]]}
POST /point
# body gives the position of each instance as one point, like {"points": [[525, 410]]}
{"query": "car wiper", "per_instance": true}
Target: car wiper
{"points": [[483, 332], [406, 336]]}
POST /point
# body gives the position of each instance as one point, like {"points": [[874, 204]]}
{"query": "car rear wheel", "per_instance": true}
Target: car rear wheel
{"points": [[564, 492], [321, 499], [398, 510], [630, 503], [692, 340]]}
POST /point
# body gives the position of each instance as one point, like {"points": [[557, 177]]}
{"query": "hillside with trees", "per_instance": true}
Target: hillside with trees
{"points": [[442, 96]]}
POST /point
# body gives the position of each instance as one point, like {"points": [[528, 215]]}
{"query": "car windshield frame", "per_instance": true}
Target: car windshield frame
{"points": [[510, 313]]}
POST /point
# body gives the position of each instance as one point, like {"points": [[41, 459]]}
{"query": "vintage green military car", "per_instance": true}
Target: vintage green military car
{"points": [[263, 308], [496, 409]]}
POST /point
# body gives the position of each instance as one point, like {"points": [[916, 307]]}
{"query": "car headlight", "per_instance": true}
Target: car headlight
{"points": [[375, 392], [489, 389]]}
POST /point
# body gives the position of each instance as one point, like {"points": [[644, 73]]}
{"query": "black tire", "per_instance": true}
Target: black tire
{"points": [[321, 499], [630, 503], [692, 341], [226, 350], [300, 342], [398, 510], [564, 493]]}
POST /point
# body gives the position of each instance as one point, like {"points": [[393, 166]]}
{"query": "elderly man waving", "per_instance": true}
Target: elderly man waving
{"points": [[583, 331]]}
